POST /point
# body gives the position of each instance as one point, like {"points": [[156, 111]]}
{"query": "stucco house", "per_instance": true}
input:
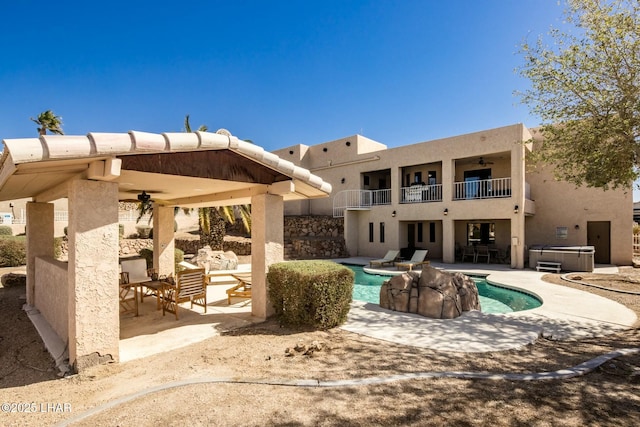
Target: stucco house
{"points": [[446, 194], [79, 299]]}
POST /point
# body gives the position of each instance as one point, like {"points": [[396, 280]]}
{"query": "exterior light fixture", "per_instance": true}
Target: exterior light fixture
{"points": [[516, 209], [446, 211], [393, 214], [342, 180], [577, 227]]}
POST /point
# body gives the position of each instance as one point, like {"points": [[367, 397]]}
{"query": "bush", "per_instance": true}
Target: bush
{"points": [[121, 230], [143, 231], [310, 293], [5, 230], [13, 251], [147, 254], [57, 247]]}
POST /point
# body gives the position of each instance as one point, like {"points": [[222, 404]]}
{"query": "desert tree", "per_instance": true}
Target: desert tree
{"points": [[585, 87]]}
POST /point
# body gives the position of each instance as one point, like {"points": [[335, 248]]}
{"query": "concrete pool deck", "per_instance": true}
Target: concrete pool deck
{"points": [[566, 314]]}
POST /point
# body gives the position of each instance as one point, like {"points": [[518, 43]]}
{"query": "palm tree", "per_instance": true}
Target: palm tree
{"points": [[48, 121], [212, 222]]}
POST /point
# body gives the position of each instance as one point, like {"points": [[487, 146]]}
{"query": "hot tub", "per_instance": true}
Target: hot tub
{"points": [[571, 258]]}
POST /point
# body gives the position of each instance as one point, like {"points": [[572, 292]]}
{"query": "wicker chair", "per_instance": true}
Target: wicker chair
{"points": [[190, 286]]}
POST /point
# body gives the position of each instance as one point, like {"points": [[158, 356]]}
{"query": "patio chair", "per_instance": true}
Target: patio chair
{"points": [[190, 286], [469, 251], [243, 288], [128, 296], [141, 276], [418, 258], [389, 258], [483, 251]]}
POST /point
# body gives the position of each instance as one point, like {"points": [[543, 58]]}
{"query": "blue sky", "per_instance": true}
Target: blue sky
{"points": [[278, 72]]}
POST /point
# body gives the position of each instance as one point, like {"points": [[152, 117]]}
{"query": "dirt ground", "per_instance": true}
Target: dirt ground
{"points": [[609, 396]]}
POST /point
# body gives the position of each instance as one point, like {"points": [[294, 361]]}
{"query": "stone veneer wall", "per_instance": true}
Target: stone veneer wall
{"points": [[305, 237], [314, 237]]}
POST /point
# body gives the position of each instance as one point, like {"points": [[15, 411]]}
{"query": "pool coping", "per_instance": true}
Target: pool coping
{"points": [[565, 314]]}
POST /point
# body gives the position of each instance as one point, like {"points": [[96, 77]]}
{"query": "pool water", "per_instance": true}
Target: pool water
{"points": [[493, 299]]}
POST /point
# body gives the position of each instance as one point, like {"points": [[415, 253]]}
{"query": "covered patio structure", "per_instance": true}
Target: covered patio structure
{"points": [[79, 298]]}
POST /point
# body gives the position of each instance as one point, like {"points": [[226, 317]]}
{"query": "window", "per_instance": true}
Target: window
{"points": [[483, 233], [365, 180], [417, 177], [371, 232], [432, 232], [407, 180], [419, 232], [382, 232]]}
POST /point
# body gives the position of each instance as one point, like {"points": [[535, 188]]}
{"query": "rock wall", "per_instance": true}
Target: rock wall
{"points": [[314, 237], [305, 237], [431, 293]]}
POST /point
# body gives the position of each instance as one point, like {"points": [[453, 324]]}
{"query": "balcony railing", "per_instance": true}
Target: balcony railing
{"points": [[359, 199], [421, 194], [482, 189]]}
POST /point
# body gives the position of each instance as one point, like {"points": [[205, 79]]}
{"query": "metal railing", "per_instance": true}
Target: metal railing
{"points": [[482, 189], [636, 244], [359, 199], [421, 193]]}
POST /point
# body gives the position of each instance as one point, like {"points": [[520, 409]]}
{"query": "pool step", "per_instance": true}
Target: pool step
{"points": [[549, 266]]}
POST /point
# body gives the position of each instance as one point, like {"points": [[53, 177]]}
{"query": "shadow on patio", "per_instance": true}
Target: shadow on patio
{"points": [[151, 332]]}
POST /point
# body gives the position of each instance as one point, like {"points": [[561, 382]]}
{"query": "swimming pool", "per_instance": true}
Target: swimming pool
{"points": [[493, 299]]}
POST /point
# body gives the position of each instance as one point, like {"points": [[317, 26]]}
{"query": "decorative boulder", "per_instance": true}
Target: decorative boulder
{"points": [[216, 260], [432, 293], [13, 279]]}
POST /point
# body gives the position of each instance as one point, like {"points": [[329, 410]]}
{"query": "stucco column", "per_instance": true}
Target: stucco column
{"points": [[448, 241], [163, 240], [267, 247], [40, 230], [94, 318]]}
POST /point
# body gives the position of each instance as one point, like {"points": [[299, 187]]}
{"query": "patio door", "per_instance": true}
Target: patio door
{"points": [[473, 188]]}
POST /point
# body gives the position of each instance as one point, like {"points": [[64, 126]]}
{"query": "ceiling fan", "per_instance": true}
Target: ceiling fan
{"points": [[482, 162]]}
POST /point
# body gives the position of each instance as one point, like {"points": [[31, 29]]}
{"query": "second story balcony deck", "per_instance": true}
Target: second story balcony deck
{"points": [[421, 193], [482, 189]]}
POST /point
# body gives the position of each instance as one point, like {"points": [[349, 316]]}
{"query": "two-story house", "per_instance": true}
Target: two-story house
{"points": [[471, 189]]}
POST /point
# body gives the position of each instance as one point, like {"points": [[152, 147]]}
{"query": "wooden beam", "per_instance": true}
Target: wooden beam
{"points": [[225, 198]]}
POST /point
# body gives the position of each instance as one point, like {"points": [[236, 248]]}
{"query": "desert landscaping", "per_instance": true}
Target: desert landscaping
{"points": [[244, 377]]}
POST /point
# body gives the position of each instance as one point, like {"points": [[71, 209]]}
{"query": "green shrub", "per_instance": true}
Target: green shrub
{"points": [[121, 230], [13, 251], [310, 293], [57, 247], [5, 230], [144, 231], [65, 231], [147, 254]]}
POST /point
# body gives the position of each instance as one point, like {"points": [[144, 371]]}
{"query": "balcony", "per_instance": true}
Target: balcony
{"points": [[359, 200], [482, 189], [421, 193]]}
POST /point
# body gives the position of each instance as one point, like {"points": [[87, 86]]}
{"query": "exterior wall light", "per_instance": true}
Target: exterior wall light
{"points": [[393, 214], [342, 180], [446, 211], [516, 209], [577, 227]]}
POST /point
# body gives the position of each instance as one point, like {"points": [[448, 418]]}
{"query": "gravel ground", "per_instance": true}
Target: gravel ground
{"points": [[608, 396]]}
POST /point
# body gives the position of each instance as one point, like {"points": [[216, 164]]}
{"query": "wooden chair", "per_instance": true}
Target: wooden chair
{"points": [[128, 295], [242, 289], [190, 286], [469, 251], [146, 278], [483, 251]]}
